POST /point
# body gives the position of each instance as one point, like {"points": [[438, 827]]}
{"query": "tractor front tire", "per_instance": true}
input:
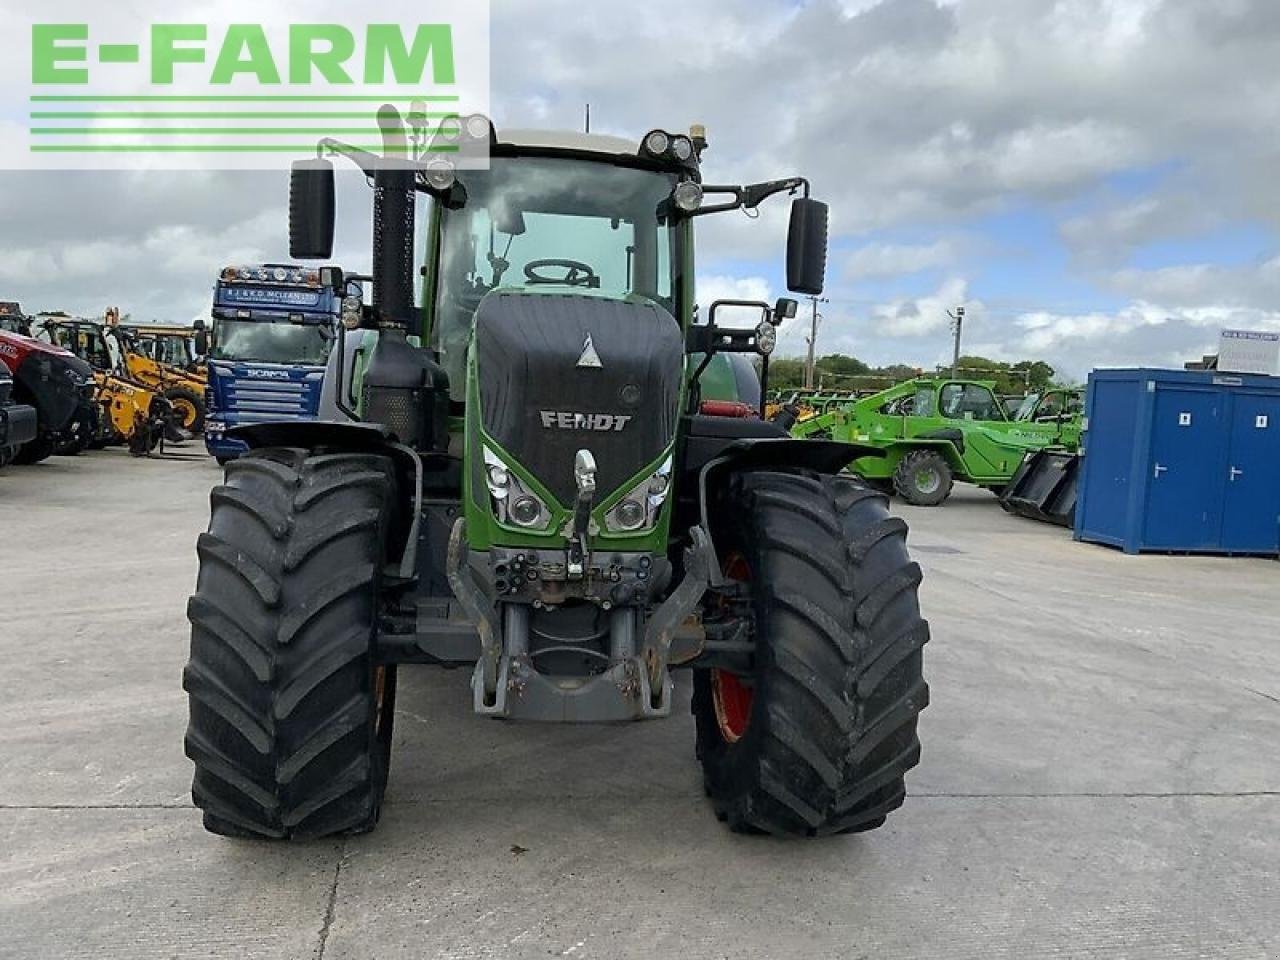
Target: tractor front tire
{"points": [[818, 738], [34, 451], [290, 716], [923, 478]]}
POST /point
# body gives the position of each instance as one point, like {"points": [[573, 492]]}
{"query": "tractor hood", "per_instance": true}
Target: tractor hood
{"points": [[53, 380], [560, 372]]}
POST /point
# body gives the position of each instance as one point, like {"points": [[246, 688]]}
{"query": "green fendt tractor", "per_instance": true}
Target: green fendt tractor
{"points": [[930, 432], [530, 482]]}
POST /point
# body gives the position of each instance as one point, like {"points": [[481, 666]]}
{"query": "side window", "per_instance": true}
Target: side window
{"points": [[1051, 407], [422, 218], [922, 405], [952, 399], [969, 402]]}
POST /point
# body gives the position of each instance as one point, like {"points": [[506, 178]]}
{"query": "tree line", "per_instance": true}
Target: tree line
{"points": [[836, 371]]}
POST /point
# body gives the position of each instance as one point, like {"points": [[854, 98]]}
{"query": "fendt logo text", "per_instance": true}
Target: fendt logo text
{"points": [[599, 422]]}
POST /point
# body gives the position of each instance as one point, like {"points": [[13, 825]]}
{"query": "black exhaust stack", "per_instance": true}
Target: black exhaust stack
{"points": [[404, 388], [393, 224]]}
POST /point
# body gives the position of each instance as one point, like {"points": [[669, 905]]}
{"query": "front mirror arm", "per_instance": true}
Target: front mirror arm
{"points": [[756, 193], [366, 161], [750, 196]]}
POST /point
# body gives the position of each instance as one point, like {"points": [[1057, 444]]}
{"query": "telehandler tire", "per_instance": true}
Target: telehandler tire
{"points": [[290, 722], [818, 738], [188, 411], [923, 478]]}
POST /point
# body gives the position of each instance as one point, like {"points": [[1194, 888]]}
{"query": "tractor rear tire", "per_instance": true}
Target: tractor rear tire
{"points": [[188, 411], [818, 739], [290, 716], [923, 478], [34, 451]]}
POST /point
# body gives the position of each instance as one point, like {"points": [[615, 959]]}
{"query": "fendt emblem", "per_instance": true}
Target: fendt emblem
{"points": [[599, 422], [590, 358]]}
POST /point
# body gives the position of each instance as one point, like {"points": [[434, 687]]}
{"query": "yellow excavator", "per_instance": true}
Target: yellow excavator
{"points": [[163, 359], [132, 413]]}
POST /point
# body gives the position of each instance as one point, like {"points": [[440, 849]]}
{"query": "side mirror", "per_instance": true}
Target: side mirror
{"points": [[784, 309], [202, 341], [508, 218], [311, 209], [332, 278], [807, 247]]}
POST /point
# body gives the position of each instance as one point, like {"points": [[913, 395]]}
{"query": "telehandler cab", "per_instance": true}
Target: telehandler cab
{"points": [[149, 359], [529, 482]]}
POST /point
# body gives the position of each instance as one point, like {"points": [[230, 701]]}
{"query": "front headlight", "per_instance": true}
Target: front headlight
{"points": [[351, 311], [687, 196], [640, 506], [512, 502], [766, 338]]}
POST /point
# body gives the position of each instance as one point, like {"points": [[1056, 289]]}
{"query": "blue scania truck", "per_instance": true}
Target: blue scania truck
{"points": [[273, 327]]}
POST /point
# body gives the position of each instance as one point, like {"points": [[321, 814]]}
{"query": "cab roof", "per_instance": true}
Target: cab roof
{"points": [[568, 140]]}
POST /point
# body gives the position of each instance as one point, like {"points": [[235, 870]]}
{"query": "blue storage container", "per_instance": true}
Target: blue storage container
{"points": [[1181, 461]]}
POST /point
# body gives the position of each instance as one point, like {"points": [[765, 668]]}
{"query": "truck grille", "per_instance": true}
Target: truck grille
{"points": [[251, 400]]}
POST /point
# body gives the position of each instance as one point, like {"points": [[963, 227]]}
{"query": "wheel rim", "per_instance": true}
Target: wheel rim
{"points": [[379, 698], [186, 412], [731, 697], [928, 480]]}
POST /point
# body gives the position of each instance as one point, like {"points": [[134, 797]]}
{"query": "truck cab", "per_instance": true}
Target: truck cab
{"points": [[271, 334]]}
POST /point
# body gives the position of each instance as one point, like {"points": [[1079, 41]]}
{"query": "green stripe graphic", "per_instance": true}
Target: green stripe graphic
{"points": [[199, 131], [265, 98], [214, 115], [211, 148]]}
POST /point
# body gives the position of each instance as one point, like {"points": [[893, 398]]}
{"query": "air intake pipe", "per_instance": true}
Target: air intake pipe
{"points": [[404, 388]]}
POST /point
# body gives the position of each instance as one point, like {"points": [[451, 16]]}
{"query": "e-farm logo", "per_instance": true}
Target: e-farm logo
{"points": [[322, 50], [243, 91]]}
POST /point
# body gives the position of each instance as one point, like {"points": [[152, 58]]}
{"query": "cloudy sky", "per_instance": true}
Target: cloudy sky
{"points": [[1093, 179]]}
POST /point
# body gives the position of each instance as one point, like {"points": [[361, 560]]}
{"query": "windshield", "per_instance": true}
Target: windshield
{"points": [[87, 343], [555, 225], [1027, 407], [266, 342], [969, 401], [174, 351]]}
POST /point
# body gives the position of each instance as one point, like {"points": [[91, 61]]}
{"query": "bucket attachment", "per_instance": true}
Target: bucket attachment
{"points": [[1044, 488]]}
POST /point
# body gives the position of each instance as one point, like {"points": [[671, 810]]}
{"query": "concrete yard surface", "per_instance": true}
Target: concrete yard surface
{"points": [[1100, 778]]}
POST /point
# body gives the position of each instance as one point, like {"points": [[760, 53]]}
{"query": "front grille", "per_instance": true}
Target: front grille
{"points": [[255, 401]]}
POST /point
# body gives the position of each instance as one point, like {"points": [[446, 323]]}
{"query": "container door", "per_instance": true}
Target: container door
{"points": [[1186, 475], [1251, 511]]}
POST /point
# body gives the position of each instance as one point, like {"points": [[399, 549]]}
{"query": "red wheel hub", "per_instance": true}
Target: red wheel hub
{"points": [[731, 697], [733, 704]]}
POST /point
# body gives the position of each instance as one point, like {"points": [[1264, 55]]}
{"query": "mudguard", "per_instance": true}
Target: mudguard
{"points": [[950, 434], [357, 437], [822, 456]]}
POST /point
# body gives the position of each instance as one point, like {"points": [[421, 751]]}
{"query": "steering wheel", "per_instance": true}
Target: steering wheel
{"points": [[576, 273]]}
